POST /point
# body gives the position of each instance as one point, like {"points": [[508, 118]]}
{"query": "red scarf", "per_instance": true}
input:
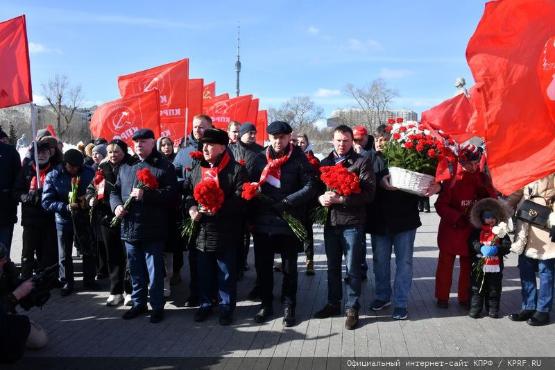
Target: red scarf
{"points": [[211, 173], [42, 172], [272, 171]]}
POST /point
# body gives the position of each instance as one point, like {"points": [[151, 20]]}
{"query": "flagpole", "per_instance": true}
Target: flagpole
{"points": [[186, 125], [35, 148]]}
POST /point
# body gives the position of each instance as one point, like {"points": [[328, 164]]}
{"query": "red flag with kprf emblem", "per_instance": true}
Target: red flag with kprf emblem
{"points": [[209, 91], [15, 73], [452, 117], [121, 118], [514, 104], [225, 111], [172, 81]]}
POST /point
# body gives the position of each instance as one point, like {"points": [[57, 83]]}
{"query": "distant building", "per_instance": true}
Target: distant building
{"points": [[356, 116]]}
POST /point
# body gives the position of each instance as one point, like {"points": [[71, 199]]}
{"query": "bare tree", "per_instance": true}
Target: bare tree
{"points": [[300, 112], [64, 100], [374, 99]]}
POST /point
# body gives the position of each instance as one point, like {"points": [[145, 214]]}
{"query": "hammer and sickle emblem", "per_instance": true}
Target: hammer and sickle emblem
{"points": [[532, 213]]}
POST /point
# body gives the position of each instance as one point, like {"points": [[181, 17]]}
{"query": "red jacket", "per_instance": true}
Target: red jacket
{"points": [[453, 206]]}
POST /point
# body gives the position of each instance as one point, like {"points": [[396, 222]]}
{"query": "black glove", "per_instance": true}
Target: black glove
{"points": [[552, 234], [37, 197]]}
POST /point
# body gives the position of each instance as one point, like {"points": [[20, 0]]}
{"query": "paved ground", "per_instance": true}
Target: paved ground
{"points": [[82, 326]]}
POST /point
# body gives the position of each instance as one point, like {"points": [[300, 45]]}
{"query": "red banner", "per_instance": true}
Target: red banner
{"points": [[452, 117], [504, 54], [261, 126], [195, 100], [224, 111], [15, 73], [121, 118], [252, 115], [172, 81], [209, 91]]}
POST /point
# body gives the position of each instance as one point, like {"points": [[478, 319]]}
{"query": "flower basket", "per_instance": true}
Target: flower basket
{"points": [[410, 181]]}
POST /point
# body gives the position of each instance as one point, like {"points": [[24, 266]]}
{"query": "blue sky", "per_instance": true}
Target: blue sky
{"points": [[289, 48]]}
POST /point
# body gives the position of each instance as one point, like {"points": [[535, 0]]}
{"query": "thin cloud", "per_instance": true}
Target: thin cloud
{"points": [[37, 48], [313, 30], [326, 93], [39, 99], [363, 45], [394, 74]]}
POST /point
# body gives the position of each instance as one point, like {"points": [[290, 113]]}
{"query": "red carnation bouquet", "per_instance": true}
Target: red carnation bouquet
{"points": [[196, 155], [98, 182], [146, 180], [314, 162], [209, 197], [339, 180]]}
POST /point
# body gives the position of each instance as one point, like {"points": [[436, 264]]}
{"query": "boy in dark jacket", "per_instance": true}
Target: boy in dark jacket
{"points": [[489, 243], [72, 218], [39, 228]]}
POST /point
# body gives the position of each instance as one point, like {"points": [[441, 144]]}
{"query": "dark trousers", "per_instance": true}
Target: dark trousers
{"points": [[309, 242], [218, 269], [39, 240], [487, 292], [264, 248], [65, 248], [193, 271], [177, 261], [116, 259], [424, 204], [6, 235], [101, 256]]}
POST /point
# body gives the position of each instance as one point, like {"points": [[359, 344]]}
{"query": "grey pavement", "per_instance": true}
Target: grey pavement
{"points": [[82, 326]]}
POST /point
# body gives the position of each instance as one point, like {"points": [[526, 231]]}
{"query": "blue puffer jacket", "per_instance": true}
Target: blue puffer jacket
{"points": [[147, 219], [56, 189]]}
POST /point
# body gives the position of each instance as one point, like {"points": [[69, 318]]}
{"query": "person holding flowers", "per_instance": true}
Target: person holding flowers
{"points": [[287, 183], [453, 205], [350, 185], [143, 195], [489, 243], [214, 203], [98, 196], [64, 195]]}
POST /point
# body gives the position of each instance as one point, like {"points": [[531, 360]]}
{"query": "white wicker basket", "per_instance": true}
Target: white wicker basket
{"points": [[410, 181]]}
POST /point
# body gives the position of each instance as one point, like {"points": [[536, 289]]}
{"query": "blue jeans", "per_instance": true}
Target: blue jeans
{"points": [[221, 266], [403, 246], [143, 258], [6, 235], [541, 301], [339, 241]]}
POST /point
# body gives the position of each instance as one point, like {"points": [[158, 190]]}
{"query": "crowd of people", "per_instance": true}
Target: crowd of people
{"points": [[125, 215]]}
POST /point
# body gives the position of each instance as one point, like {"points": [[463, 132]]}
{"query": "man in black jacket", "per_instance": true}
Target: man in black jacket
{"points": [[143, 226], [344, 228], [10, 165], [288, 184], [39, 228], [218, 231]]}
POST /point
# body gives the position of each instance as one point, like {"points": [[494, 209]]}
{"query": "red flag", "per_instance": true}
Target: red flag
{"points": [[121, 118], [452, 117], [208, 103], [209, 91], [503, 55], [51, 129], [261, 126], [15, 73], [172, 81], [225, 111], [195, 99], [252, 115]]}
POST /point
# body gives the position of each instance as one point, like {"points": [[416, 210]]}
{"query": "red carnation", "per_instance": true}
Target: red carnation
{"points": [[420, 147], [250, 189], [409, 145], [196, 155], [399, 120], [390, 121], [209, 195], [396, 136], [98, 177], [431, 153], [242, 162], [388, 128], [147, 179]]}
